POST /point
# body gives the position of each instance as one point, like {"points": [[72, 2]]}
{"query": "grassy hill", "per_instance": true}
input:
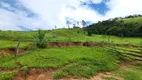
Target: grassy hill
{"points": [[9, 38], [132, 20], [29, 35], [128, 27], [106, 62]]}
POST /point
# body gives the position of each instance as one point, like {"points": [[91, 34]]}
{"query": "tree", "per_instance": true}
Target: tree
{"points": [[83, 23], [55, 27], [74, 25], [77, 23], [117, 26], [69, 26]]}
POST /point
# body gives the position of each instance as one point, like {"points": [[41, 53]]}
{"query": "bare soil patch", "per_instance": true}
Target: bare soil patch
{"points": [[107, 76], [11, 51], [87, 44], [35, 74]]}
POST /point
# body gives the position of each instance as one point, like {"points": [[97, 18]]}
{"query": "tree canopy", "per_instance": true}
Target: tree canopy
{"points": [[127, 26]]}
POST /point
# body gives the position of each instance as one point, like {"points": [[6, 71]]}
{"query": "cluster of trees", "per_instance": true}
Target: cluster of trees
{"points": [[116, 26]]}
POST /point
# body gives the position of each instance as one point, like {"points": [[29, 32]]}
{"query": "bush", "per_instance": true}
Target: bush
{"points": [[40, 39]]}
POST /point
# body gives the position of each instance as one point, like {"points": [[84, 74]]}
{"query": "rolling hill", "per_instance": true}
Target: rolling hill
{"points": [[128, 26]]}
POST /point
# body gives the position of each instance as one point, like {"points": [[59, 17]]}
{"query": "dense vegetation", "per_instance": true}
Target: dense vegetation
{"points": [[128, 26]]}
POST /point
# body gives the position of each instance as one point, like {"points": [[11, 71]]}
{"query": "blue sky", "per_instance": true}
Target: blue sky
{"points": [[17, 5], [101, 8], [45, 14]]}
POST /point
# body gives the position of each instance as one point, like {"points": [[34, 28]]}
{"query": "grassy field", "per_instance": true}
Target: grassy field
{"points": [[75, 62], [65, 35], [83, 61], [131, 73], [12, 44], [132, 20]]}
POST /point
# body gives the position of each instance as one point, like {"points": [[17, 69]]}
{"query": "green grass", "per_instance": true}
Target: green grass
{"points": [[83, 61], [58, 75], [16, 35], [132, 20], [7, 76], [130, 74], [63, 35], [74, 62], [12, 44]]}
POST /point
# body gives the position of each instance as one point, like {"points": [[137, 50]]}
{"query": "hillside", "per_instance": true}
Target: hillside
{"points": [[60, 34], [128, 26], [10, 38], [69, 54]]}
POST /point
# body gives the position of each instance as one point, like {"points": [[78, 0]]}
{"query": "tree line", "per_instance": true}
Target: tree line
{"points": [[117, 26]]}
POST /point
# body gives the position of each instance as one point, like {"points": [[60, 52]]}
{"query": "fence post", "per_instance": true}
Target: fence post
{"points": [[94, 38], [85, 39], [17, 48], [35, 42], [55, 36], [108, 39], [69, 39]]}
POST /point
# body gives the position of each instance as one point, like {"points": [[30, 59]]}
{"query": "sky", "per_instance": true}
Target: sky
{"points": [[45, 14]]}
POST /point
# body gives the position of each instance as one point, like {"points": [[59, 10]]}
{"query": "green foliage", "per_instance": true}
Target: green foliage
{"points": [[7, 76], [40, 39], [129, 26], [25, 68], [58, 75], [89, 34]]}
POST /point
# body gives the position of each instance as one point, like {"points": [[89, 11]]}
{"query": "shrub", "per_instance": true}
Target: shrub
{"points": [[40, 39]]}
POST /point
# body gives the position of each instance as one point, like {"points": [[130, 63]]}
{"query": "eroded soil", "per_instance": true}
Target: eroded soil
{"points": [[11, 51]]}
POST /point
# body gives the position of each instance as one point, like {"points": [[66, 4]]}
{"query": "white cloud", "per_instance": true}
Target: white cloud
{"points": [[10, 20], [48, 10], [55, 12], [97, 1], [124, 7]]}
